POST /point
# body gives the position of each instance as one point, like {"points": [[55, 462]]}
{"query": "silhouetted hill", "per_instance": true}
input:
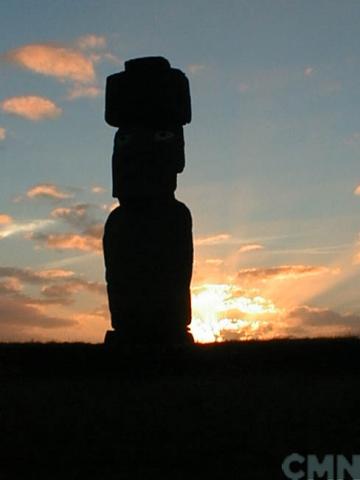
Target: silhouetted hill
{"points": [[231, 410]]}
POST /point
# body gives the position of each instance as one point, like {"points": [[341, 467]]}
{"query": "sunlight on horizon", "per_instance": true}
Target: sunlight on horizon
{"points": [[221, 312]]}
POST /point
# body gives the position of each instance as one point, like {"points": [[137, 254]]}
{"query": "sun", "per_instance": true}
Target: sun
{"points": [[223, 312]]}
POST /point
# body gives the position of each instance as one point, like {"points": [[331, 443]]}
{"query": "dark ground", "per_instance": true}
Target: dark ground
{"points": [[227, 411]]}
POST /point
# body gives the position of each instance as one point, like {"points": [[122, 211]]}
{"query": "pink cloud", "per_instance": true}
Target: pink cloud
{"points": [[81, 215], [31, 107], [48, 191], [195, 68], [2, 133], [58, 61], [243, 87], [91, 41], [352, 139]]}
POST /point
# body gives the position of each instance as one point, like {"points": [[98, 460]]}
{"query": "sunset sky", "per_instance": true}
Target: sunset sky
{"points": [[272, 173]]}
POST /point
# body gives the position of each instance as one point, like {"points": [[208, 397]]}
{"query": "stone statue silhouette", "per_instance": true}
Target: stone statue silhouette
{"points": [[148, 246]]}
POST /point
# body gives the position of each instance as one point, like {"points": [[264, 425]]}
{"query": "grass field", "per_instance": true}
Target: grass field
{"points": [[227, 411]]}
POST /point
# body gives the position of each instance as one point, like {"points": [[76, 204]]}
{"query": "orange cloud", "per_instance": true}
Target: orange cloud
{"points": [[10, 285], [250, 247], [54, 273], [85, 242], [357, 190], [2, 133], [84, 91], [58, 61], [48, 191], [31, 107], [214, 261], [5, 219], [212, 240]]}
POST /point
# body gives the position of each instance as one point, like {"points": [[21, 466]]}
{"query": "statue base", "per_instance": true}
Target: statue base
{"points": [[115, 339]]}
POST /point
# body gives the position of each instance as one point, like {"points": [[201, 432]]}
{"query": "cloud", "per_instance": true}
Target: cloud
{"points": [[61, 289], [195, 68], [2, 134], [312, 316], [308, 71], [98, 189], [97, 57], [14, 228], [5, 219], [48, 191], [281, 272], [31, 107], [61, 62], [17, 312], [109, 207], [88, 241], [250, 247], [35, 276], [54, 273], [23, 316], [87, 235], [79, 91], [357, 190], [79, 215], [91, 41], [214, 261], [10, 286], [64, 290], [212, 240], [352, 139], [243, 87]]}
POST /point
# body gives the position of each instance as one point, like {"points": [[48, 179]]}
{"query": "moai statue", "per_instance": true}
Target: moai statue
{"points": [[148, 247]]}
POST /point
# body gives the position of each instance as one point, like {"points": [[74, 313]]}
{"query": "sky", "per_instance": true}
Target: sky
{"points": [[272, 172]]}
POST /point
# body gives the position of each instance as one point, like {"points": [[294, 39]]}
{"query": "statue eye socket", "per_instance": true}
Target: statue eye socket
{"points": [[163, 135]]}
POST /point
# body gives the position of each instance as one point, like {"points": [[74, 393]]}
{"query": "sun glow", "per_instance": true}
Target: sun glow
{"points": [[223, 312]]}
